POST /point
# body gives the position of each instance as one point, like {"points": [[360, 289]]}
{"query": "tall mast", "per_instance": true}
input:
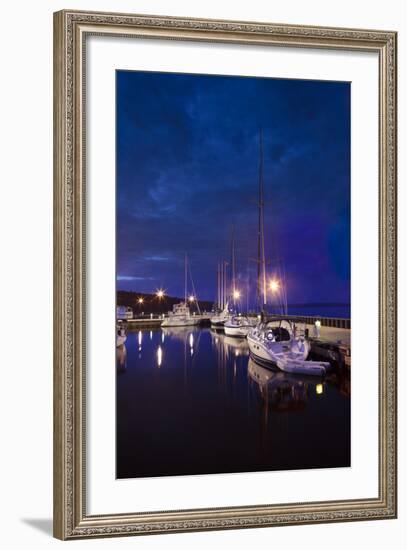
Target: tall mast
{"points": [[186, 279], [261, 259], [225, 283], [233, 265], [221, 284], [218, 285]]}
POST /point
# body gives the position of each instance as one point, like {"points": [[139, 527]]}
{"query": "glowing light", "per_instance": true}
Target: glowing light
{"points": [[236, 295], [191, 298], [274, 285], [160, 293], [140, 339], [159, 356], [319, 388], [191, 340], [140, 300]]}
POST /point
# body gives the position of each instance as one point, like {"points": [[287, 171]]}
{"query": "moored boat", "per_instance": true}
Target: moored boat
{"points": [[237, 325], [124, 313], [180, 316], [280, 346], [219, 320]]}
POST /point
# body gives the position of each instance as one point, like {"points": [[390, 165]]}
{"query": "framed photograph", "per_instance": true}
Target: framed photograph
{"points": [[225, 274]]}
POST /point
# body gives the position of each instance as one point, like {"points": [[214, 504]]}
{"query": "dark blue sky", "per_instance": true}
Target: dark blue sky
{"points": [[187, 172]]}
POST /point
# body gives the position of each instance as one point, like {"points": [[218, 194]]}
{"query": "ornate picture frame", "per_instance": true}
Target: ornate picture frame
{"points": [[71, 520]]}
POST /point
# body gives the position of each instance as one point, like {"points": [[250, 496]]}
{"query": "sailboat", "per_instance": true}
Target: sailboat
{"points": [[181, 316], [219, 320], [222, 315], [236, 325], [270, 345]]}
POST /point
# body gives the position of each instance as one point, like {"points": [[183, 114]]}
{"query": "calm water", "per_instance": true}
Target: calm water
{"points": [[193, 402]]}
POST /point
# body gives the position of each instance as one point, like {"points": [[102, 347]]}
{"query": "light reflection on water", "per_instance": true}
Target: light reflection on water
{"points": [[191, 400]]}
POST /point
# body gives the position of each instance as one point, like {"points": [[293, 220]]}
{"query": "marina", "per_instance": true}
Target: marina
{"points": [[331, 340], [191, 400], [233, 296]]}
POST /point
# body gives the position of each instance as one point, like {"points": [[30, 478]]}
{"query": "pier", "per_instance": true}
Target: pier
{"points": [[330, 337], [149, 321]]}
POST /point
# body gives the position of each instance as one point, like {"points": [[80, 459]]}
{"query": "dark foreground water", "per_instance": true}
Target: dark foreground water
{"points": [[191, 401]]}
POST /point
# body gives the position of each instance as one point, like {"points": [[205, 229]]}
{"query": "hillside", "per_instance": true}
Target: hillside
{"points": [[152, 304]]}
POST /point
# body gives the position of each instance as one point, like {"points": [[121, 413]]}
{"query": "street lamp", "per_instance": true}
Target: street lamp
{"points": [[160, 294], [236, 295], [191, 298]]}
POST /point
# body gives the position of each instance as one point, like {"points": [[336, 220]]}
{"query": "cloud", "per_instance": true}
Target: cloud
{"points": [[133, 278]]}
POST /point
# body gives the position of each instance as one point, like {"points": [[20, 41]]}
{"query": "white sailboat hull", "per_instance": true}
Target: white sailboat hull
{"points": [[289, 356], [218, 323], [240, 332]]}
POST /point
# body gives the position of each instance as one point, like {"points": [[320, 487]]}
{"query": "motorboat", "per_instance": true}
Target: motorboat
{"points": [[124, 313], [237, 325], [282, 345], [180, 316]]}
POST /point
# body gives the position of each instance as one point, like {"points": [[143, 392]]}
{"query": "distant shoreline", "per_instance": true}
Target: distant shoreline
{"points": [[152, 304]]}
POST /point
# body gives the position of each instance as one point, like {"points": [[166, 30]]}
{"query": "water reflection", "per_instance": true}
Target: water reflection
{"points": [[121, 358], [280, 391], [229, 344], [319, 388], [213, 409], [159, 356]]}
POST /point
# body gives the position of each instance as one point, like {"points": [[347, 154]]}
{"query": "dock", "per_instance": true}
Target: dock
{"points": [[330, 337], [332, 343], [330, 340], [143, 322], [154, 321]]}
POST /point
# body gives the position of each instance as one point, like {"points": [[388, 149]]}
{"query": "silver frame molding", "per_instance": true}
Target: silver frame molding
{"points": [[70, 517]]}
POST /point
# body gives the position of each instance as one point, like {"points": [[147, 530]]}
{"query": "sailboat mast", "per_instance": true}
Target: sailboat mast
{"points": [[233, 265], [186, 278], [225, 284], [218, 295], [261, 258], [221, 284]]}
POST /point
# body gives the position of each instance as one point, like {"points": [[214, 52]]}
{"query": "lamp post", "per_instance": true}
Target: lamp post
{"points": [[140, 302], [160, 293]]}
